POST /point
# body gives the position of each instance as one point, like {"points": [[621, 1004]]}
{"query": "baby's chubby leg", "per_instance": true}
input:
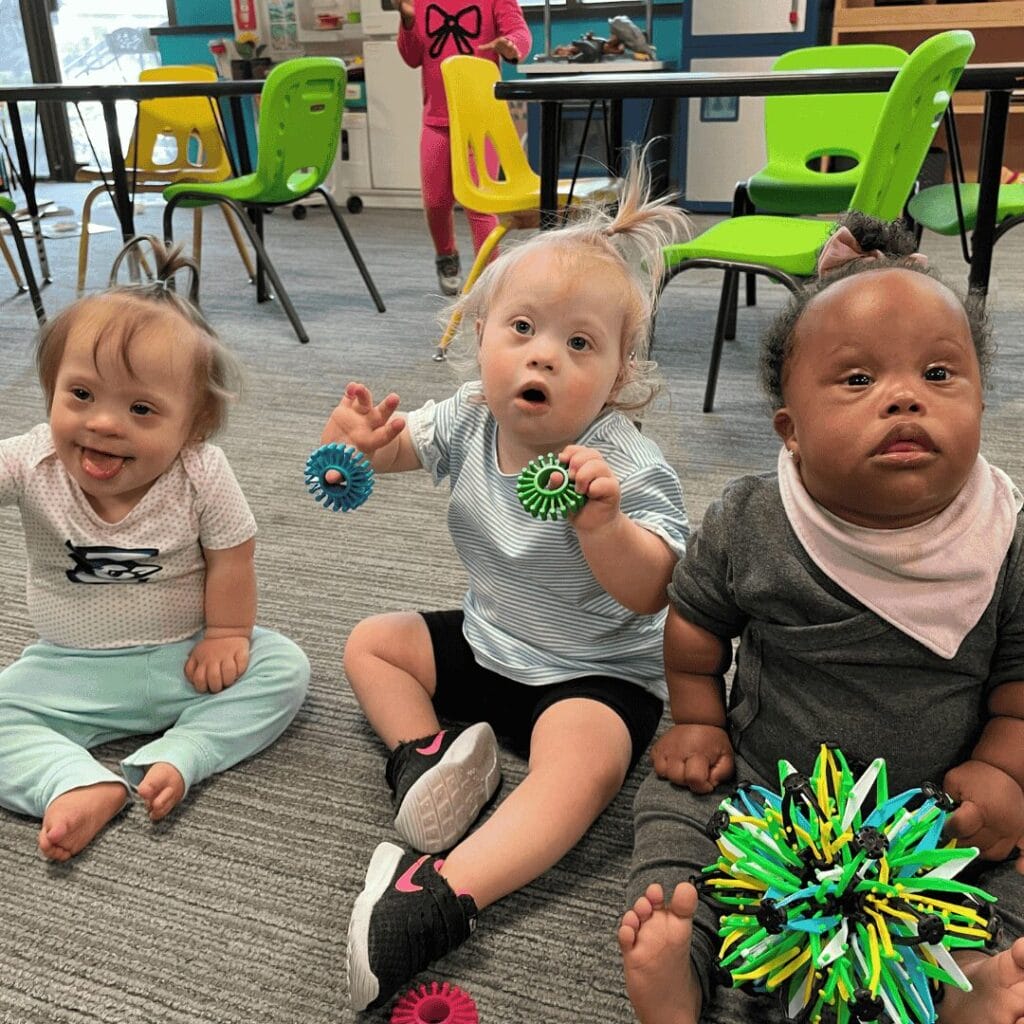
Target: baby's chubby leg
{"points": [[211, 732], [389, 662], [654, 939], [997, 996], [74, 818], [579, 756]]}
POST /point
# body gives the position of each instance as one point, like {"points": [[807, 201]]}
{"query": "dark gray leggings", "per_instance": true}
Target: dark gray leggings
{"points": [[670, 846]]}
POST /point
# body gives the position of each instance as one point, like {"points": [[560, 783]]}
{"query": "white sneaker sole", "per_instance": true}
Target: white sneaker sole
{"points": [[443, 802], [363, 985]]}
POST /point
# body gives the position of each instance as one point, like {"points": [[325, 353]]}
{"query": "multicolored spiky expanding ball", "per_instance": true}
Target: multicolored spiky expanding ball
{"points": [[842, 899], [355, 477], [440, 1004], [539, 497]]}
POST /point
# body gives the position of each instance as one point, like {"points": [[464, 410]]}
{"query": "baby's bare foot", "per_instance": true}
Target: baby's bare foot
{"points": [[654, 940], [74, 818], [997, 996], [162, 787]]}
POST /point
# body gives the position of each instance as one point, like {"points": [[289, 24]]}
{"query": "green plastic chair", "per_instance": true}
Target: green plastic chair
{"points": [[803, 130], [935, 208], [7, 209], [800, 130], [785, 249], [299, 125]]}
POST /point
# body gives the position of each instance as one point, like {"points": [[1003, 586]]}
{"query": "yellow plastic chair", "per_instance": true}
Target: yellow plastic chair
{"points": [[475, 118], [193, 125]]}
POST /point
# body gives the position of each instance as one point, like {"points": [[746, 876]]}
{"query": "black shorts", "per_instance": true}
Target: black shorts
{"points": [[467, 692]]}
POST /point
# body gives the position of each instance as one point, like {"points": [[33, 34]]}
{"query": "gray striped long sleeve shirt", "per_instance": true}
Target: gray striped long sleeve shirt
{"points": [[534, 611]]}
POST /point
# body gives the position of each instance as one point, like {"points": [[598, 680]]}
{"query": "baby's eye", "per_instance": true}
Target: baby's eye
{"points": [[141, 409], [521, 326], [578, 343], [936, 373], [82, 394], [858, 380]]}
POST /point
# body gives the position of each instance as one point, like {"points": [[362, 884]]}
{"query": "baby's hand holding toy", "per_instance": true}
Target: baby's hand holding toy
{"points": [[991, 811], [358, 422], [695, 756], [217, 662], [594, 479]]}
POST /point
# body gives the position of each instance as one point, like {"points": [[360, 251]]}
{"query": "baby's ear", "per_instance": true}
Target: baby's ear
{"points": [[785, 427]]}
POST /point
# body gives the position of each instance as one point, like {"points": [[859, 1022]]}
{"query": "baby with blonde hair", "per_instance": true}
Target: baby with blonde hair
{"points": [[557, 645]]}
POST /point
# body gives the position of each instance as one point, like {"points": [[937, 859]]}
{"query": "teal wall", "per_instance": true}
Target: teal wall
{"points": [[202, 12], [193, 48]]}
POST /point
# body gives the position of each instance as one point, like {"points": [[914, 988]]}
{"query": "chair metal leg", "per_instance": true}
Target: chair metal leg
{"points": [[197, 236], [263, 261], [731, 293], [743, 207], [352, 248], [26, 266], [716, 346]]}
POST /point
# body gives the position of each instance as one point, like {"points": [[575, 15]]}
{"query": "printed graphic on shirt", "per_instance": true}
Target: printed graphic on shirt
{"points": [[462, 27], [111, 565]]}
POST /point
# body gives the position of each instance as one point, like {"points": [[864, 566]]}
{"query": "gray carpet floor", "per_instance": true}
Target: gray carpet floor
{"points": [[234, 910]]}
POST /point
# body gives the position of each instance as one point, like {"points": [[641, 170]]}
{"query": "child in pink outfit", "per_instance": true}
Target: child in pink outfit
{"points": [[431, 31]]}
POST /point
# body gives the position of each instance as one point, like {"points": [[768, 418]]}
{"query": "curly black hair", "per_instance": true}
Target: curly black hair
{"points": [[896, 245]]}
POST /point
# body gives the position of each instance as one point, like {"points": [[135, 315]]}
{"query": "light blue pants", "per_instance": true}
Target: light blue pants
{"points": [[57, 702]]}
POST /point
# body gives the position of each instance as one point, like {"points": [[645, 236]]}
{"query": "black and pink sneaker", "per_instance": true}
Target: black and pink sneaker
{"points": [[441, 783], [406, 917]]}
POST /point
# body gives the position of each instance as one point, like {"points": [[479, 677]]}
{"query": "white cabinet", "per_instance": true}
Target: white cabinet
{"points": [[747, 17], [725, 137], [394, 109]]}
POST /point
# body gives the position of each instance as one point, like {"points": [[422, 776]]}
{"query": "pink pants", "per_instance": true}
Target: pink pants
{"points": [[438, 199]]}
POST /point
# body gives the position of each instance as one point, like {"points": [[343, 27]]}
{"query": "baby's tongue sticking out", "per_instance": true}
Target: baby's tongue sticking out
{"points": [[101, 465]]}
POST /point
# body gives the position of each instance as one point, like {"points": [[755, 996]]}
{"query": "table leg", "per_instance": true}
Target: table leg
{"points": [[123, 205], [993, 135], [241, 136], [550, 118], [28, 184]]}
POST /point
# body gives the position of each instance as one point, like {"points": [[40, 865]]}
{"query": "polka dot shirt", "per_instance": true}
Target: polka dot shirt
{"points": [[94, 584]]}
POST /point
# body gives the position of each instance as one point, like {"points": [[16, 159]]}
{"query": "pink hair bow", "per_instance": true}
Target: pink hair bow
{"points": [[842, 247]]}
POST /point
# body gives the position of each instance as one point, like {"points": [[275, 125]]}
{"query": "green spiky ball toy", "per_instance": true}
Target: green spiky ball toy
{"points": [[842, 899], [542, 499]]}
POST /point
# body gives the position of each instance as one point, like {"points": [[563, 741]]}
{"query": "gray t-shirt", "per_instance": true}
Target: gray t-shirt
{"points": [[814, 665]]}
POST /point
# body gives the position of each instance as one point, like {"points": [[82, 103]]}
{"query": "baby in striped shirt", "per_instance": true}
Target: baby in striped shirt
{"points": [[557, 647]]}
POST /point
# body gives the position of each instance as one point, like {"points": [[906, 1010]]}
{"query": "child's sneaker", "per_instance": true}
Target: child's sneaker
{"points": [[441, 783], [406, 917], [448, 270]]}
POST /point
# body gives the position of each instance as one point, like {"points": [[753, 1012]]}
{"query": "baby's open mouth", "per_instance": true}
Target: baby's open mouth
{"points": [[533, 395], [102, 465]]}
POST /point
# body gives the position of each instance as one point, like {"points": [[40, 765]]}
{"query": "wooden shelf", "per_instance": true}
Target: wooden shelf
{"points": [[998, 27], [929, 17]]}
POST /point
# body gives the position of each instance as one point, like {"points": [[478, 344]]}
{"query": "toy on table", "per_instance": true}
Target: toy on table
{"points": [[847, 907], [540, 497], [440, 1004], [339, 476]]}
